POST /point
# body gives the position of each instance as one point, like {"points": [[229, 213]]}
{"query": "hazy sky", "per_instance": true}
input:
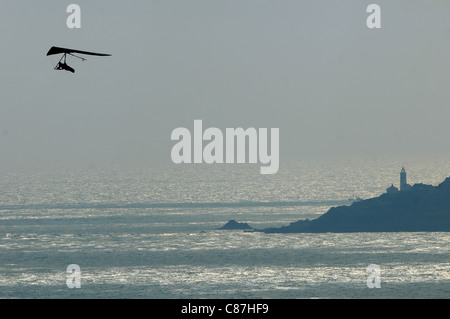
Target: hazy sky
{"points": [[311, 68]]}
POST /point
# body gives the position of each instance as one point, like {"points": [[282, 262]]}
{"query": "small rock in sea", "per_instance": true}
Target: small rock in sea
{"points": [[232, 224]]}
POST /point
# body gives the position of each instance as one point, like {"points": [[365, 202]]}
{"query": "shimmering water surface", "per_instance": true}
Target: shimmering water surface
{"points": [[151, 232]]}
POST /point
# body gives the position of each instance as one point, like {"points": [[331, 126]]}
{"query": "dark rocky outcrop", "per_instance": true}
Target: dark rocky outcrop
{"points": [[420, 208], [232, 224]]}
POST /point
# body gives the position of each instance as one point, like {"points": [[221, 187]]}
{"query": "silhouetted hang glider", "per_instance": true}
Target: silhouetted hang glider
{"points": [[62, 65]]}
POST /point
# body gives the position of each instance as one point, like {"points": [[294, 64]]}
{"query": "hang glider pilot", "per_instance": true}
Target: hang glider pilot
{"points": [[64, 66]]}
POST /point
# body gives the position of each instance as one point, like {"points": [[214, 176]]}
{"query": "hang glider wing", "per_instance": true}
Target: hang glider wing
{"points": [[57, 50]]}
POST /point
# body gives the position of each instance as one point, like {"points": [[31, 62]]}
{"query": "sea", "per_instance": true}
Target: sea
{"points": [[151, 231]]}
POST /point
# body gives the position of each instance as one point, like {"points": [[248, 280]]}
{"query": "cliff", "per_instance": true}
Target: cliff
{"points": [[421, 208]]}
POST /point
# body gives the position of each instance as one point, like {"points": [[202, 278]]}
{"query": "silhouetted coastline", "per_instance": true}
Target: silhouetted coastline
{"points": [[420, 208]]}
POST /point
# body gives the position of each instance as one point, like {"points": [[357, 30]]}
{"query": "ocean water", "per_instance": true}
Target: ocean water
{"points": [[150, 231]]}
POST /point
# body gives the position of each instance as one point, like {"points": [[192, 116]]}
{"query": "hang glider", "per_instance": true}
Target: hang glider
{"points": [[62, 65]]}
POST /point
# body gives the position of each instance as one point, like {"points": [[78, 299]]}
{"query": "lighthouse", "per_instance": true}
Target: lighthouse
{"points": [[403, 184]]}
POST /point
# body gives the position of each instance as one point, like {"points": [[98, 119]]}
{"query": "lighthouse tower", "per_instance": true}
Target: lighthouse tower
{"points": [[403, 184]]}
